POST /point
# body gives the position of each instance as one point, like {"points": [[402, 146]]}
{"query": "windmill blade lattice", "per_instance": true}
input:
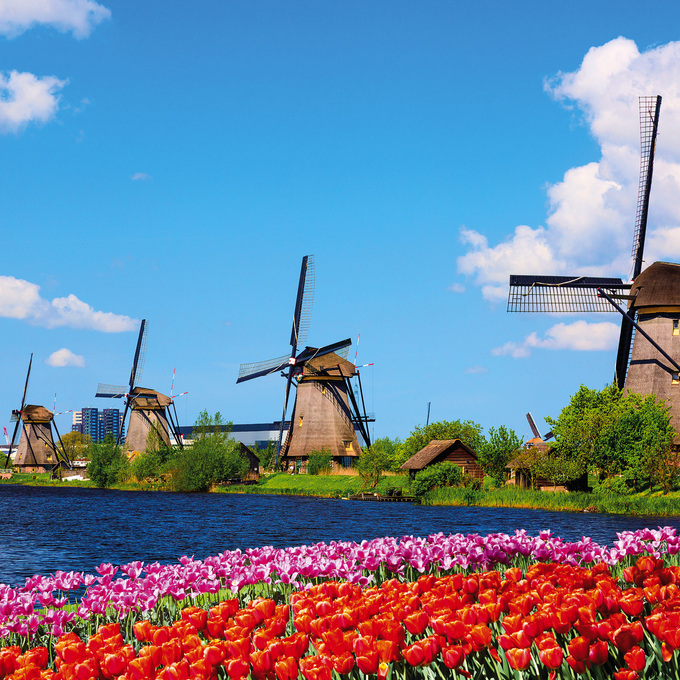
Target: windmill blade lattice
{"points": [[533, 293], [140, 355], [303, 304], [111, 391], [650, 108], [260, 368]]}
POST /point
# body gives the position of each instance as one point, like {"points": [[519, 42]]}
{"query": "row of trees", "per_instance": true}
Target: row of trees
{"points": [[212, 458]]}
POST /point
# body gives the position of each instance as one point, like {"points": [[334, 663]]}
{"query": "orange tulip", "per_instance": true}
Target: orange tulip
{"points": [[453, 656], [286, 669], [343, 663], [551, 657]]}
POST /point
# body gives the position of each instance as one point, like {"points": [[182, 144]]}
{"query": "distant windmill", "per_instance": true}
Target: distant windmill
{"points": [[37, 451], [322, 414], [534, 429], [651, 322], [149, 408]]}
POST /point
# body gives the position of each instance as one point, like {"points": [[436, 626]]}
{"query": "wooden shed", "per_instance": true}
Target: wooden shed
{"points": [[451, 450]]}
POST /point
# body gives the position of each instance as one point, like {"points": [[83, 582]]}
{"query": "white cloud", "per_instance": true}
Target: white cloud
{"points": [[471, 370], [21, 299], [25, 98], [77, 16], [140, 176], [65, 357], [580, 335], [589, 225], [456, 288]]}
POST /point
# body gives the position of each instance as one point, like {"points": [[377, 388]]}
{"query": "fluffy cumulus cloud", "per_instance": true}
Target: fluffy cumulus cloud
{"points": [[21, 299], [25, 98], [589, 225], [579, 335], [65, 357], [77, 16]]}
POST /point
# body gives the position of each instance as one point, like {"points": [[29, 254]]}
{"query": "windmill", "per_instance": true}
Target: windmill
{"points": [[149, 408], [36, 451], [322, 413], [649, 342]]}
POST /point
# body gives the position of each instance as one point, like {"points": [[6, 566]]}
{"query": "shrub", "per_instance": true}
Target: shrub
{"points": [[147, 464], [107, 462], [436, 476], [319, 462]]}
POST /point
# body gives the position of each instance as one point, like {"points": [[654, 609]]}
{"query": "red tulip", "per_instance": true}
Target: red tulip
{"points": [[343, 663], [551, 657], [417, 622], [578, 648], [599, 652], [237, 668], [578, 665], [625, 674], [453, 656], [388, 651], [519, 659], [635, 658], [286, 669]]}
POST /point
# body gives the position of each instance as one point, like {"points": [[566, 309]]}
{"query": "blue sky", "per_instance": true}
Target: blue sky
{"points": [[174, 161]]}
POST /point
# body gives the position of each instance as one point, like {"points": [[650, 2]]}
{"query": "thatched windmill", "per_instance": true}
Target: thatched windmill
{"points": [[325, 409], [149, 409], [37, 451], [650, 322]]}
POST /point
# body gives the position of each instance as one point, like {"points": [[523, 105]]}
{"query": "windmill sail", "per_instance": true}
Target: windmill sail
{"points": [[650, 108], [260, 368], [555, 294], [303, 304]]}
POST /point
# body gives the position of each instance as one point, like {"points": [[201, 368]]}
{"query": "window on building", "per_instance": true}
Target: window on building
{"points": [[676, 327], [348, 445], [301, 417], [675, 378]]}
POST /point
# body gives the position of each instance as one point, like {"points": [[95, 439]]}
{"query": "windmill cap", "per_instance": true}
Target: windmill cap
{"points": [[36, 414], [658, 286]]}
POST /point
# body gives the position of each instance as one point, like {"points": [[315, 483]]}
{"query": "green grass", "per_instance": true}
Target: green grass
{"points": [[513, 497], [328, 486]]}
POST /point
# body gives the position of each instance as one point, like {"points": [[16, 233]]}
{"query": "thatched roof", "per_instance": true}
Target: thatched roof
{"points": [[36, 414], [433, 450], [332, 362], [658, 286], [154, 399]]}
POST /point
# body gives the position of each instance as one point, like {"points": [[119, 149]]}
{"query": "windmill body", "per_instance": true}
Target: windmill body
{"points": [[36, 451], [322, 416], [148, 409], [657, 308]]}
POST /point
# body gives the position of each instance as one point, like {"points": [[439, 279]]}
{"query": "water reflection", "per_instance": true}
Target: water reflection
{"points": [[46, 529]]}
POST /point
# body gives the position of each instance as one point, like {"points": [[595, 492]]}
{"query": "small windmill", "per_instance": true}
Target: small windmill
{"points": [[535, 431], [650, 323], [36, 451], [149, 409], [333, 419]]}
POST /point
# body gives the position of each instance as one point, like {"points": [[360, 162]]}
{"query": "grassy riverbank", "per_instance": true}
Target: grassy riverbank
{"points": [[513, 497], [324, 486], [339, 486]]}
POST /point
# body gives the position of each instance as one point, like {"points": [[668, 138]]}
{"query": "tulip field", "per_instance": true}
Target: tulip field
{"points": [[445, 606]]}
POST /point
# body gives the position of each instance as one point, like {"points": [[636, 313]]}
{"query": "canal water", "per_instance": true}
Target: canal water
{"points": [[47, 529]]}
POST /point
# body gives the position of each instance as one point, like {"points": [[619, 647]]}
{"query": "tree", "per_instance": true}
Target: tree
{"points": [[107, 462], [212, 458], [468, 432], [267, 454], [319, 462], [500, 448], [372, 463], [75, 445], [616, 433]]}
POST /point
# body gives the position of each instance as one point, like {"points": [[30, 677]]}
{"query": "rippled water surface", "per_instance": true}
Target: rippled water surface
{"points": [[45, 529]]}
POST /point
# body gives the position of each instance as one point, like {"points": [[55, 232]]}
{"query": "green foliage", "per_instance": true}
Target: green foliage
{"points": [[75, 445], [108, 463], [436, 476], [319, 462], [212, 457], [266, 455], [390, 451], [468, 432], [500, 448], [147, 464], [614, 433], [373, 462]]}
